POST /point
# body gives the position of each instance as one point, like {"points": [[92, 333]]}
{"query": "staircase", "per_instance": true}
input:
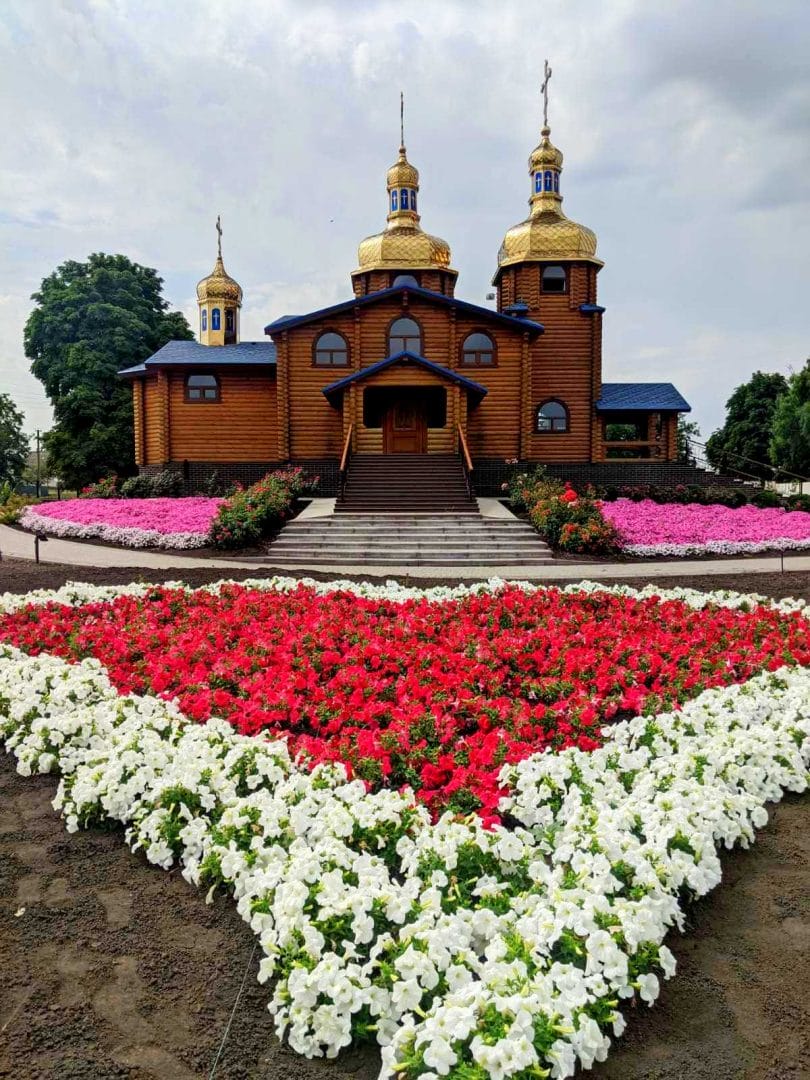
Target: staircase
{"points": [[396, 483], [408, 539]]}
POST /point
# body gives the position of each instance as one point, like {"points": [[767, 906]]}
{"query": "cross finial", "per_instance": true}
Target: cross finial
{"points": [[219, 237], [401, 120], [544, 91]]}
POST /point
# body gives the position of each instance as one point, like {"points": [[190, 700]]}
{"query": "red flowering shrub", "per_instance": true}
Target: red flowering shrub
{"points": [[251, 514], [435, 695]]}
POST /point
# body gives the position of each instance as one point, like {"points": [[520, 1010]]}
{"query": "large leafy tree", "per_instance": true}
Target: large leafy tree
{"points": [[92, 319], [686, 431], [790, 442], [13, 443], [742, 444]]}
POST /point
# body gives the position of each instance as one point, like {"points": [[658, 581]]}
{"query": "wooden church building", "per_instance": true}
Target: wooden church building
{"points": [[404, 367]]}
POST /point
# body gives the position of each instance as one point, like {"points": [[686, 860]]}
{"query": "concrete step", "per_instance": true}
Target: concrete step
{"points": [[406, 559]]}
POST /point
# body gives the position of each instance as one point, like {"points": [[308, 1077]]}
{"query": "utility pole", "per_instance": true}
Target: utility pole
{"points": [[38, 461]]}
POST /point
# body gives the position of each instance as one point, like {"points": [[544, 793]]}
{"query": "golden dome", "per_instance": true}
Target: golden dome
{"points": [[219, 285], [403, 244], [403, 173], [547, 233]]}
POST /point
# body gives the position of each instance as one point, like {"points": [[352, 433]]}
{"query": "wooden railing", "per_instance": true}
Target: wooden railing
{"points": [[344, 462], [466, 460]]}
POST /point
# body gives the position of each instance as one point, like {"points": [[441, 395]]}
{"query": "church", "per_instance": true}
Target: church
{"points": [[404, 367]]}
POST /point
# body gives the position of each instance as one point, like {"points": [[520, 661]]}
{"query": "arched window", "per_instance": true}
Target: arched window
{"points": [[554, 279], [202, 388], [478, 348], [394, 196], [538, 182], [403, 199], [215, 318], [405, 279], [204, 319], [557, 182], [413, 200], [404, 336], [331, 350], [551, 416], [230, 320], [549, 184]]}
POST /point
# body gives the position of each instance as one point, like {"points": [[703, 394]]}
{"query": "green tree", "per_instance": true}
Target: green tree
{"points": [[13, 443], [742, 444], [790, 442], [92, 319], [686, 430]]}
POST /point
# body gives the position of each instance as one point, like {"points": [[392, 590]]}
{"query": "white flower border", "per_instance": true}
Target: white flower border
{"points": [[502, 952], [718, 547], [123, 535]]}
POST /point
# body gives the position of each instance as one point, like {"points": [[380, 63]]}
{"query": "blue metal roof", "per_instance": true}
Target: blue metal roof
{"points": [[656, 397], [438, 369], [591, 309], [254, 353], [286, 322]]}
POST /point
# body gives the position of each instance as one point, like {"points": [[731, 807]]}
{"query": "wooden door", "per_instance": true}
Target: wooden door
{"points": [[405, 427]]}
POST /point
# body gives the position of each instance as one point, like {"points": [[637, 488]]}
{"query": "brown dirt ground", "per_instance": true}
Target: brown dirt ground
{"points": [[116, 969]]}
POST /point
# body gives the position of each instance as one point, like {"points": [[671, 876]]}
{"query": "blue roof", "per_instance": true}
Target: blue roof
{"points": [[654, 396], [447, 373], [254, 353], [286, 322]]}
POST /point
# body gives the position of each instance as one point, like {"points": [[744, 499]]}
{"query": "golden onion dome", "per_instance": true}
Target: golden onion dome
{"points": [[403, 244], [219, 285], [547, 233]]}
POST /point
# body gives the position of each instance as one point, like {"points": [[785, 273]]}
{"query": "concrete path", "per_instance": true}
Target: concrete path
{"points": [[19, 545]]}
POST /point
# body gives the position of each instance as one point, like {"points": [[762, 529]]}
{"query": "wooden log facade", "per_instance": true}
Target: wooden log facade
{"points": [[522, 382]]}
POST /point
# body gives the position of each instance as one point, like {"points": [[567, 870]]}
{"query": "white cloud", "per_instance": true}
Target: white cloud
{"points": [[684, 127]]}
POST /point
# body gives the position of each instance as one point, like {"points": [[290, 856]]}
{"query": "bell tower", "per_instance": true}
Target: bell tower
{"points": [[219, 299]]}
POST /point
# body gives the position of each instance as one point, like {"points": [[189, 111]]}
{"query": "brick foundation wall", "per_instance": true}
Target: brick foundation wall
{"points": [[489, 476]]}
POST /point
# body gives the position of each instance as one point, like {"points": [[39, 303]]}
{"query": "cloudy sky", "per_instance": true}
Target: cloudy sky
{"points": [[685, 126]]}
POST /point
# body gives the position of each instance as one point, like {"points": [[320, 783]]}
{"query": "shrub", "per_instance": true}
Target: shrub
{"points": [[766, 498], [137, 487], [522, 485], [798, 502], [166, 484], [13, 505], [570, 522], [254, 513], [213, 486], [105, 488]]}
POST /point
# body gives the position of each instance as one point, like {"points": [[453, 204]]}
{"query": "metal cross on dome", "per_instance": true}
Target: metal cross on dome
{"points": [[219, 237], [544, 91]]}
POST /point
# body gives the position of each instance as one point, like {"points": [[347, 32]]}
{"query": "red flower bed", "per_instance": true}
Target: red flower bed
{"points": [[436, 695]]}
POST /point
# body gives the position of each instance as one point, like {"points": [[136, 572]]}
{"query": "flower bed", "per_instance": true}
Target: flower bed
{"points": [[437, 696], [468, 951], [649, 528], [166, 523]]}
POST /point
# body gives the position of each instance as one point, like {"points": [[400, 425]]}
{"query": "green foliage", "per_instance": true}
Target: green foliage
{"points": [[676, 493], [250, 515], [567, 521], [766, 498], [622, 433], [105, 488], [162, 485], [522, 485], [13, 443], [686, 430], [91, 320], [790, 441], [798, 502], [742, 445], [13, 505]]}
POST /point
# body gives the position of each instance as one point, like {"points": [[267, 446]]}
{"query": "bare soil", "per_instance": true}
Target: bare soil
{"points": [[112, 968]]}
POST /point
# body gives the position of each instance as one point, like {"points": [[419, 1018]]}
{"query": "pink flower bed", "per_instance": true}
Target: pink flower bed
{"points": [[167, 523], [649, 528]]}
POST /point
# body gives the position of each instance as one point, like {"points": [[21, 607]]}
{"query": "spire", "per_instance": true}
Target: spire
{"points": [[219, 238], [402, 181], [544, 91], [401, 122]]}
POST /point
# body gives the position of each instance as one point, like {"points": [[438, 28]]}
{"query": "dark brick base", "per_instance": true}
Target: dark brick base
{"points": [[488, 475]]}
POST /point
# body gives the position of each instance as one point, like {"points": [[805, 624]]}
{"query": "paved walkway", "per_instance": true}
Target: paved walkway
{"points": [[20, 545]]}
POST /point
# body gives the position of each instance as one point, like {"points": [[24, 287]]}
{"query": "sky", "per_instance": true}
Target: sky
{"points": [[685, 127]]}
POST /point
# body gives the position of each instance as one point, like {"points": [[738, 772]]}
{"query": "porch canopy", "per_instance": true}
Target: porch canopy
{"points": [[475, 391]]}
